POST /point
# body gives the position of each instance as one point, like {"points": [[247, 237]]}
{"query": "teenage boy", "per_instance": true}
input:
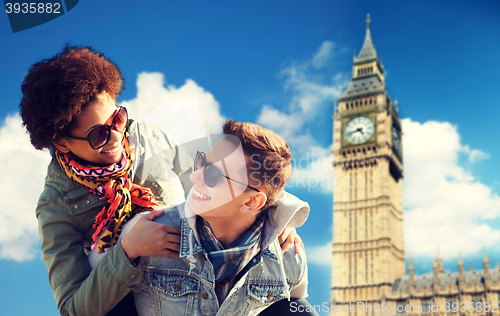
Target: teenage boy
{"points": [[230, 258]]}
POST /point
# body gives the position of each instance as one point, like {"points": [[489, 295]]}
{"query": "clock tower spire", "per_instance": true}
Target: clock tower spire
{"points": [[368, 247]]}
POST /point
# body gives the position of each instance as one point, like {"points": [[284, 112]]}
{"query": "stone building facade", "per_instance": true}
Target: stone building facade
{"points": [[368, 260]]}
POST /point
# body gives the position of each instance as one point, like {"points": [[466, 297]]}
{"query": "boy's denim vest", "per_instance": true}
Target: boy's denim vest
{"points": [[185, 286]]}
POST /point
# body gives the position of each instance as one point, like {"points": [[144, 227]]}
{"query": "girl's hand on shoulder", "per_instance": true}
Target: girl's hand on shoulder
{"points": [[289, 237], [150, 238]]}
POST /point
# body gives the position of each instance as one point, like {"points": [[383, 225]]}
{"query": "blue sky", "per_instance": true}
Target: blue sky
{"points": [[279, 63]]}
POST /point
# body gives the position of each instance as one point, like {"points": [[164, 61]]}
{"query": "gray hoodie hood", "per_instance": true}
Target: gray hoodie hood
{"points": [[287, 211]]}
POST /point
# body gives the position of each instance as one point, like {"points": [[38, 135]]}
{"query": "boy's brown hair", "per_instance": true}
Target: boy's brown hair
{"points": [[55, 91], [268, 157]]}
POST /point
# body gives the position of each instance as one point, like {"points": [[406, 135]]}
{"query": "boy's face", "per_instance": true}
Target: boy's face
{"points": [[226, 197]]}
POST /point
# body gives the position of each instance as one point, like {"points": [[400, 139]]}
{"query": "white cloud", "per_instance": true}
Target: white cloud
{"points": [[313, 171], [282, 123], [153, 95], [321, 255], [23, 172], [475, 155], [325, 52], [310, 98], [308, 95], [445, 204]]}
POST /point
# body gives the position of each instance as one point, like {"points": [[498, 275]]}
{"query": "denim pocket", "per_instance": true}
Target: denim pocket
{"points": [[266, 293], [174, 285]]}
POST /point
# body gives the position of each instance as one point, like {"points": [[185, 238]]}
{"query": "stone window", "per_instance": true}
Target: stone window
{"points": [[452, 305], [477, 300], [400, 307], [425, 306]]}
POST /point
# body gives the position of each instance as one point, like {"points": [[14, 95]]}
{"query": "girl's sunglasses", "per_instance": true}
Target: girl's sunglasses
{"points": [[211, 174], [99, 136]]}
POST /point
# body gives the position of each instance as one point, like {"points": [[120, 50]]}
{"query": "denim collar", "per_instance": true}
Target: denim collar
{"points": [[185, 236], [270, 251]]}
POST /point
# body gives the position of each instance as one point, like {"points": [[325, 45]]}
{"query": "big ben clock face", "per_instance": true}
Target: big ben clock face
{"points": [[359, 130]]}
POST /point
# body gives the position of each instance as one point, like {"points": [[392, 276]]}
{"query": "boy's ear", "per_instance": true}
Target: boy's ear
{"points": [[255, 202], [62, 145]]}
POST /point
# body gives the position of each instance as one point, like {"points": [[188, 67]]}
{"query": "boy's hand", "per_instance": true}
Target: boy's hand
{"points": [[289, 237], [150, 238]]}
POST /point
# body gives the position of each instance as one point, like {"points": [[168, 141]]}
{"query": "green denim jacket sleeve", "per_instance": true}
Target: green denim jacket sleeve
{"points": [[65, 214], [66, 229]]}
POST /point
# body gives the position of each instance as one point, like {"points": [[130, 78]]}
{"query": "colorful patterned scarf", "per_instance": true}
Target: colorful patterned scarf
{"points": [[111, 183], [229, 262]]}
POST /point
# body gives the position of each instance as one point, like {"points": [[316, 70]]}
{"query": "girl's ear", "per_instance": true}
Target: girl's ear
{"points": [[62, 146], [255, 202]]}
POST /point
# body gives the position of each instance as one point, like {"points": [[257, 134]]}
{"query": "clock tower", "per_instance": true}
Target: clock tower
{"points": [[368, 245]]}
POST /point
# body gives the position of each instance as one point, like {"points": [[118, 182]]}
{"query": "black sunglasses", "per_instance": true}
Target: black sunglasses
{"points": [[211, 174], [99, 136]]}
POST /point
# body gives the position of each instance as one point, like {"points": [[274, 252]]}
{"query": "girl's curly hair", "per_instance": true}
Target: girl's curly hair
{"points": [[55, 90]]}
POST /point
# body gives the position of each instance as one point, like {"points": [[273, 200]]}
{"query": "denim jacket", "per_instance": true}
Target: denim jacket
{"points": [[186, 286]]}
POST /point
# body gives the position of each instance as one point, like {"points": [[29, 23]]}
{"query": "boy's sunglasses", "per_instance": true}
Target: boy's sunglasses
{"points": [[211, 174], [99, 136]]}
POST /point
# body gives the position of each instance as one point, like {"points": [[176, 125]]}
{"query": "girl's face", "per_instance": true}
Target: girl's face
{"points": [[97, 113]]}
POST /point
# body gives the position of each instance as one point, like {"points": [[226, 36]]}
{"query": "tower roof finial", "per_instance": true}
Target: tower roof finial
{"points": [[368, 50]]}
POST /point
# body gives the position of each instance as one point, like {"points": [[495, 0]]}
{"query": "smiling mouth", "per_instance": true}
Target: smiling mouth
{"points": [[111, 151], [200, 195]]}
